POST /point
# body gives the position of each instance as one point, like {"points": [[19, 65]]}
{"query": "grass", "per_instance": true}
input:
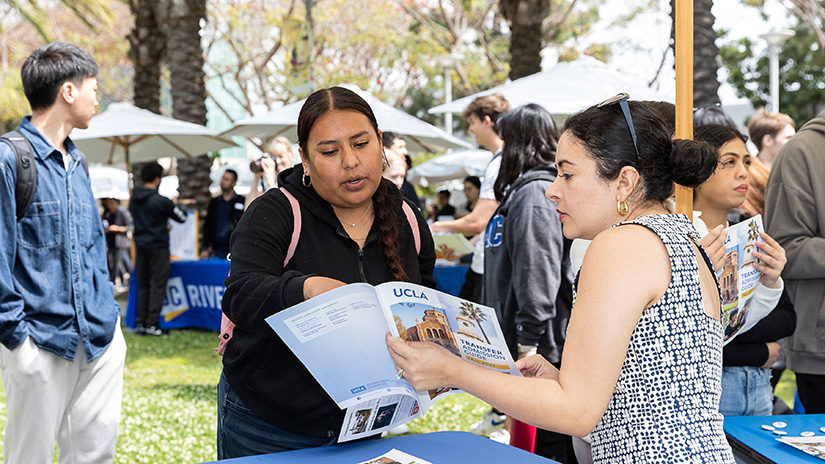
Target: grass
{"points": [[169, 401]]}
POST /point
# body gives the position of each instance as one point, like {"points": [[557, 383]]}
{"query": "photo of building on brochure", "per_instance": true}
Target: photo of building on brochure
{"points": [[738, 278], [395, 456], [464, 328]]}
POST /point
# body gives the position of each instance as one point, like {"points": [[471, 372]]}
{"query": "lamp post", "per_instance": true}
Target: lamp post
{"points": [[448, 62], [775, 39]]}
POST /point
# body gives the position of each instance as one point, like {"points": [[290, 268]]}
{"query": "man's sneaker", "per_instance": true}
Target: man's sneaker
{"points": [[153, 330], [488, 424], [501, 436]]}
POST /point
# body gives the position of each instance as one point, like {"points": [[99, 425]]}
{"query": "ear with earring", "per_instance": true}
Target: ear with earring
{"points": [[621, 207]]}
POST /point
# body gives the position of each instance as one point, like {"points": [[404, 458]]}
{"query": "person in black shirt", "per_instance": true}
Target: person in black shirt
{"points": [[151, 211], [222, 216]]}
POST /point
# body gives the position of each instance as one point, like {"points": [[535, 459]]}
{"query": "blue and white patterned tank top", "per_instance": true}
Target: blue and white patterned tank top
{"points": [[665, 407]]}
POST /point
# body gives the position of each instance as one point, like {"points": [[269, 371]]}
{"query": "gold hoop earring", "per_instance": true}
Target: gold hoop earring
{"points": [[305, 179], [386, 163], [621, 207]]}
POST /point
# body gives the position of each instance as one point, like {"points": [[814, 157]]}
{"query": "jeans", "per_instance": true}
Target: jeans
{"points": [[241, 433], [746, 391]]}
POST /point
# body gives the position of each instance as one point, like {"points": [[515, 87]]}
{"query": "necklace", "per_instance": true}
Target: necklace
{"points": [[359, 220]]}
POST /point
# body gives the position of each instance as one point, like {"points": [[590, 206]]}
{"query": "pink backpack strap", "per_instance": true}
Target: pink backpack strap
{"points": [[296, 220], [227, 326], [413, 225]]}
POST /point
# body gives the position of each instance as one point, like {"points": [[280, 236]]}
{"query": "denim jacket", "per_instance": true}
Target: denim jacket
{"points": [[54, 282]]}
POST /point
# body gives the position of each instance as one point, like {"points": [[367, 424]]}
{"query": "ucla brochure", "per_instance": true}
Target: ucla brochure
{"points": [[339, 336], [738, 278]]}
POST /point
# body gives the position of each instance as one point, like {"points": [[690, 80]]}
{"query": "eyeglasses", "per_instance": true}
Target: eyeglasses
{"points": [[621, 99]]}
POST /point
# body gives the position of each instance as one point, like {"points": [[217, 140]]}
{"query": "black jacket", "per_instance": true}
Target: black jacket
{"points": [[150, 211], [749, 348], [210, 224], [261, 369]]}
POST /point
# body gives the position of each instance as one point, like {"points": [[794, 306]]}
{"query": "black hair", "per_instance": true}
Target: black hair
{"points": [[717, 135], [49, 67], [473, 180], [151, 171], [603, 132], [389, 137], [445, 192], [712, 115], [387, 197], [530, 139], [667, 112], [233, 172]]}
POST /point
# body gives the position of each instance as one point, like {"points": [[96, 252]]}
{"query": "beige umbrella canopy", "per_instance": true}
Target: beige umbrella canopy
{"points": [[419, 135], [126, 134]]}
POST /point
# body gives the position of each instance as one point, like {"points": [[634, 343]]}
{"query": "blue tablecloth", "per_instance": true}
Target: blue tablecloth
{"points": [[437, 447], [193, 295], [755, 445], [195, 290], [450, 279]]}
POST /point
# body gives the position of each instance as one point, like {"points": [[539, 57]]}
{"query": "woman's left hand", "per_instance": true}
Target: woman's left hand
{"points": [[772, 258], [425, 365]]}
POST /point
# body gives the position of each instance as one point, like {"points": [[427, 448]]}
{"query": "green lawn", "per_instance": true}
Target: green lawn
{"points": [[169, 397]]}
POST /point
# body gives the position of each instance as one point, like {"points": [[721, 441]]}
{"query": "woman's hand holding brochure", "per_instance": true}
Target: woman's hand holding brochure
{"points": [[770, 260]]}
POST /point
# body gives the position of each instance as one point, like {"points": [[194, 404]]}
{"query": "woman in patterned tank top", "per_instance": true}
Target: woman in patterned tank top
{"points": [[641, 367]]}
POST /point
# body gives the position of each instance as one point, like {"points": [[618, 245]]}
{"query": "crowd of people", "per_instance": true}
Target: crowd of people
{"points": [[608, 300]]}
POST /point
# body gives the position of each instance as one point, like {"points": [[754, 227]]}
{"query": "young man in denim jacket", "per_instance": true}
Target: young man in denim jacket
{"points": [[62, 351]]}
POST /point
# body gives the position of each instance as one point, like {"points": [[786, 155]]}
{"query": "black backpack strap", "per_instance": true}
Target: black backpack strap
{"points": [[519, 183], [26, 170]]}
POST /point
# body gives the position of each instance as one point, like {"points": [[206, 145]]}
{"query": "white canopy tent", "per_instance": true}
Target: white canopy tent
{"points": [[125, 133], [109, 182], [419, 135], [567, 88], [456, 164]]}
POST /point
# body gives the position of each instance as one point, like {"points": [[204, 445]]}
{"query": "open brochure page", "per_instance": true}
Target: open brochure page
{"points": [[339, 337], [395, 456], [466, 329], [738, 278], [815, 446]]}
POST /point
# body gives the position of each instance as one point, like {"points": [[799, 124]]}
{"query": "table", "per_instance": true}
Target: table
{"points": [[436, 447], [193, 295], [449, 279], [754, 445]]}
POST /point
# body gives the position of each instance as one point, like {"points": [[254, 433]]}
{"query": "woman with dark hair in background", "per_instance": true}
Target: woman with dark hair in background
{"points": [[354, 229], [642, 363], [752, 347], [527, 274]]}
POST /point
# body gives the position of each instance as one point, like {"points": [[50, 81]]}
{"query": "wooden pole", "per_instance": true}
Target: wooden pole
{"points": [[684, 91]]}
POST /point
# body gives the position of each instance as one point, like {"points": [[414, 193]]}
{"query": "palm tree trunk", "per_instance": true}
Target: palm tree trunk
{"points": [[526, 38], [705, 56], [147, 45], [705, 53], [185, 57]]}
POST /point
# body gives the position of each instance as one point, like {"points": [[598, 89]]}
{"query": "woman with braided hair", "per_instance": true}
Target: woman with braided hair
{"points": [[354, 228]]}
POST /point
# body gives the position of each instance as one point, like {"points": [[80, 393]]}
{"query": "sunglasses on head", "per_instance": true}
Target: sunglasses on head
{"points": [[621, 99]]}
